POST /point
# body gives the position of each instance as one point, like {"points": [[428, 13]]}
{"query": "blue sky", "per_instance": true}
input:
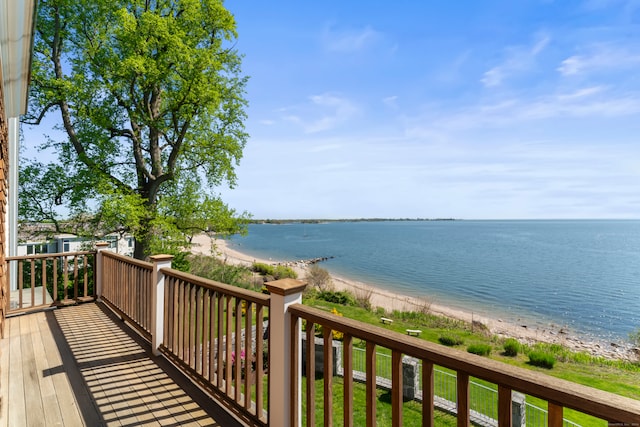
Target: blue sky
{"points": [[466, 109], [439, 109]]}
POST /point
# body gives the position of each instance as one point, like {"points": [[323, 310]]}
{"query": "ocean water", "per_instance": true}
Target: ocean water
{"points": [[581, 275]]}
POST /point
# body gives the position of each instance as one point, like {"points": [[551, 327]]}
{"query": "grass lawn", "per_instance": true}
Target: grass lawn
{"points": [[621, 378], [411, 411]]}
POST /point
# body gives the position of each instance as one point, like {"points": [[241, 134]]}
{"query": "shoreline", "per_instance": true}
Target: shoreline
{"points": [[389, 300]]}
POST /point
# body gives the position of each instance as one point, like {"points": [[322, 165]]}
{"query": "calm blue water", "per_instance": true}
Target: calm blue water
{"points": [[584, 275]]}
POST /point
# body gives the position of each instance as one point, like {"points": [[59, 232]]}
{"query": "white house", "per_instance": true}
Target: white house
{"points": [[122, 244]]}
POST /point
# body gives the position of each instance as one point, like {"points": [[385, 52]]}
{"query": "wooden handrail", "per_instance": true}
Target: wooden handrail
{"points": [[559, 393], [48, 255], [128, 260], [233, 291]]}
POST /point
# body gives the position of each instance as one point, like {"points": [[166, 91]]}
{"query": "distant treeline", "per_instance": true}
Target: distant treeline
{"points": [[319, 221]]}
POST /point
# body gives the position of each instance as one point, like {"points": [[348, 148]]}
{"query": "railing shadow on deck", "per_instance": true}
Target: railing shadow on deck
{"points": [[115, 377]]}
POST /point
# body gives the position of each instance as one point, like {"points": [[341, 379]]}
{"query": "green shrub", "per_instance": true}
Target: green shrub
{"points": [[542, 359], [264, 269], [283, 272], [337, 297], [277, 272], [450, 340], [215, 269], [479, 349], [181, 262], [511, 347]]}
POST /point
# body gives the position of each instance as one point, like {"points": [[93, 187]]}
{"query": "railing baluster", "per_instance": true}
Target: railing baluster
{"points": [[75, 278], [199, 367], [462, 393], [43, 267], [85, 276], [260, 361], [504, 406], [168, 314], [211, 301], [249, 357], [228, 336], [311, 374], [371, 384], [33, 282], [347, 352], [55, 281], [20, 283], [555, 415], [181, 309], [192, 326], [328, 376], [396, 388], [221, 355], [238, 349], [65, 277], [173, 315], [427, 394]]}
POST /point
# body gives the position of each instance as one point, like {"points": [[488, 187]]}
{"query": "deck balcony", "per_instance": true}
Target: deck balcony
{"points": [[125, 342]]}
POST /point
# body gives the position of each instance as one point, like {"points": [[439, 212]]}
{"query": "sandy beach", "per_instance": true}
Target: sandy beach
{"points": [[529, 334]]}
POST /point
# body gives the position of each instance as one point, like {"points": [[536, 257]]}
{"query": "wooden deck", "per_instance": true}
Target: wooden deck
{"points": [[82, 366]]}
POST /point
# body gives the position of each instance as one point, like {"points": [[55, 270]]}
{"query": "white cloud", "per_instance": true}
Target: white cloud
{"points": [[391, 101], [600, 57], [334, 110], [519, 59], [321, 113], [493, 77], [348, 41], [593, 104], [581, 93]]}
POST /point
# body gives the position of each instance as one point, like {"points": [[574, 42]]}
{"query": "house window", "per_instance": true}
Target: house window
{"points": [[130, 241], [36, 248], [65, 245]]}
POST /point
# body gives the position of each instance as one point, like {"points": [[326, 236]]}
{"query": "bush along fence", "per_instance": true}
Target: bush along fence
{"points": [[483, 399]]}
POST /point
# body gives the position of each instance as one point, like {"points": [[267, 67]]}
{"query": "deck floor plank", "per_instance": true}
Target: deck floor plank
{"points": [[34, 378], [81, 366], [17, 412], [4, 374]]}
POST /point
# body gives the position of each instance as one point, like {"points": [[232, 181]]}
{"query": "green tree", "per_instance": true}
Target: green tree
{"points": [[150, 97]]}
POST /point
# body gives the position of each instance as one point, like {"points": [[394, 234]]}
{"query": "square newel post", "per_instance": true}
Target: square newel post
{"points": [[100, 246], [284, 292], [157, 300]]}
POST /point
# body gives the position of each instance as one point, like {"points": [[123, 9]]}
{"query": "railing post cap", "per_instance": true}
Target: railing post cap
{"points": [[286, 286], [160, 257], [102, 244]]}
